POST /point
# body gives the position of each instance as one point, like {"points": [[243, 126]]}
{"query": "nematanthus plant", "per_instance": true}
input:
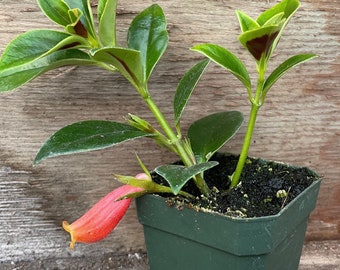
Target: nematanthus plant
{"points": [[88, 44]]}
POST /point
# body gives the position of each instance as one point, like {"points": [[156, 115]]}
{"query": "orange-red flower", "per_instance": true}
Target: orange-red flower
{"points": [[102, 218]]}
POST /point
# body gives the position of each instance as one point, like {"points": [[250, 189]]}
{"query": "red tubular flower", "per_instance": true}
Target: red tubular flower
{"points": [[102, 218]]}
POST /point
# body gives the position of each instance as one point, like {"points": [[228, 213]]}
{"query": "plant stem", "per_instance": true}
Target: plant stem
{"points": [[256, 104], [235, 178], [185, 156]]}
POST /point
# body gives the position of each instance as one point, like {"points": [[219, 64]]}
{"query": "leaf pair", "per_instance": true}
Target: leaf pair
{"points": [[230, 62]]}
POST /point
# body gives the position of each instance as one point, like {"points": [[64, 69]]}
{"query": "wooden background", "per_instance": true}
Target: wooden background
{"points": [[299, 123]]}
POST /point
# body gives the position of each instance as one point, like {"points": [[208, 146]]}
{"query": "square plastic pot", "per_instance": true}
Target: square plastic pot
{"points": [[191, 240]]}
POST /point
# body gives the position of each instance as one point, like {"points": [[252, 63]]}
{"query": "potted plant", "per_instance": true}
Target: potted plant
{"points": [[206, 217]]}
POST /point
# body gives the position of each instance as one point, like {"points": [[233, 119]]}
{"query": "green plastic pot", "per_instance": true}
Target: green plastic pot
{"points": [[187, 239]]}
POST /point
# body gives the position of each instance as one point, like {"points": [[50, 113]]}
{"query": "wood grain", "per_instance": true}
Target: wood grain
{"points": [[299, 124]]}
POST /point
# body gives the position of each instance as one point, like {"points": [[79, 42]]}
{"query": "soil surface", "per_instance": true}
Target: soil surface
{"points": [[265, 187]]}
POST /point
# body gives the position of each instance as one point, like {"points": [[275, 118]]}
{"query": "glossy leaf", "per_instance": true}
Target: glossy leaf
{"points": [[127, 61], [186, 87], [246, 22], [177, 176], [288, 7], [227, 60], [284, 67], [56, 10], [14, 77], [29, 46], [107, 22], [18, 65], [87, 136], [209, 134], [147, 34]]}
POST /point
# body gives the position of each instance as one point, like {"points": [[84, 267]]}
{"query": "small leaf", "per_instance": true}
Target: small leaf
{"points": [[177, 176], [86, 136], [260, 41], [284, 67], [107, 22], [147, 34], [288, 7], [227, 60], [56, 10], [275, 20], [87, 19], [209, 134], [247, 23], [186, 86], [148, 186], [127, 61]]}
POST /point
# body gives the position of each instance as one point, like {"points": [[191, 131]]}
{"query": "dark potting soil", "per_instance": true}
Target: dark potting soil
{"points": [[265, 187]]}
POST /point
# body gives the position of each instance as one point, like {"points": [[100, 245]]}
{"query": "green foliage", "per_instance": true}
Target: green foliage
{"points": [[207, 135], [86, 42], [87, 136], [177, 175], [185, 88], [107, 22], [147, 34], [283, 68], [57, 11], [127, 61], [260, 37], [226, 59], [41, 53]]}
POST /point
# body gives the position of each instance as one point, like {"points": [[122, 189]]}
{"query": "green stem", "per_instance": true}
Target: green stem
{"points": [[235, 178], [256, 103], [186, 157]]}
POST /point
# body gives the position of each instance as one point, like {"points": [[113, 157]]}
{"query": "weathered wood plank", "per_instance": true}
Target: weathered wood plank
{"points": [[299, 124]]}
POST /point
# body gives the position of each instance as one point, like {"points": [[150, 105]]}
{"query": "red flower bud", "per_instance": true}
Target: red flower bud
{"points": [[102, 218]]}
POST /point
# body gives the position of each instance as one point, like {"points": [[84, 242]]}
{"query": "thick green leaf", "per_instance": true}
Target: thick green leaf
{"points": [[186, 86], [29, 46], [147, 34], [246, 22], [227, 60], [36, 52], [14, 77], [127, 61], [56, 10], [87, 136], [210, 133], [283, 68], [107, 22], [177, 176]]}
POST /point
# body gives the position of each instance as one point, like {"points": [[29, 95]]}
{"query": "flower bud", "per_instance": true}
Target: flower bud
{"points": [[102, 218]]}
